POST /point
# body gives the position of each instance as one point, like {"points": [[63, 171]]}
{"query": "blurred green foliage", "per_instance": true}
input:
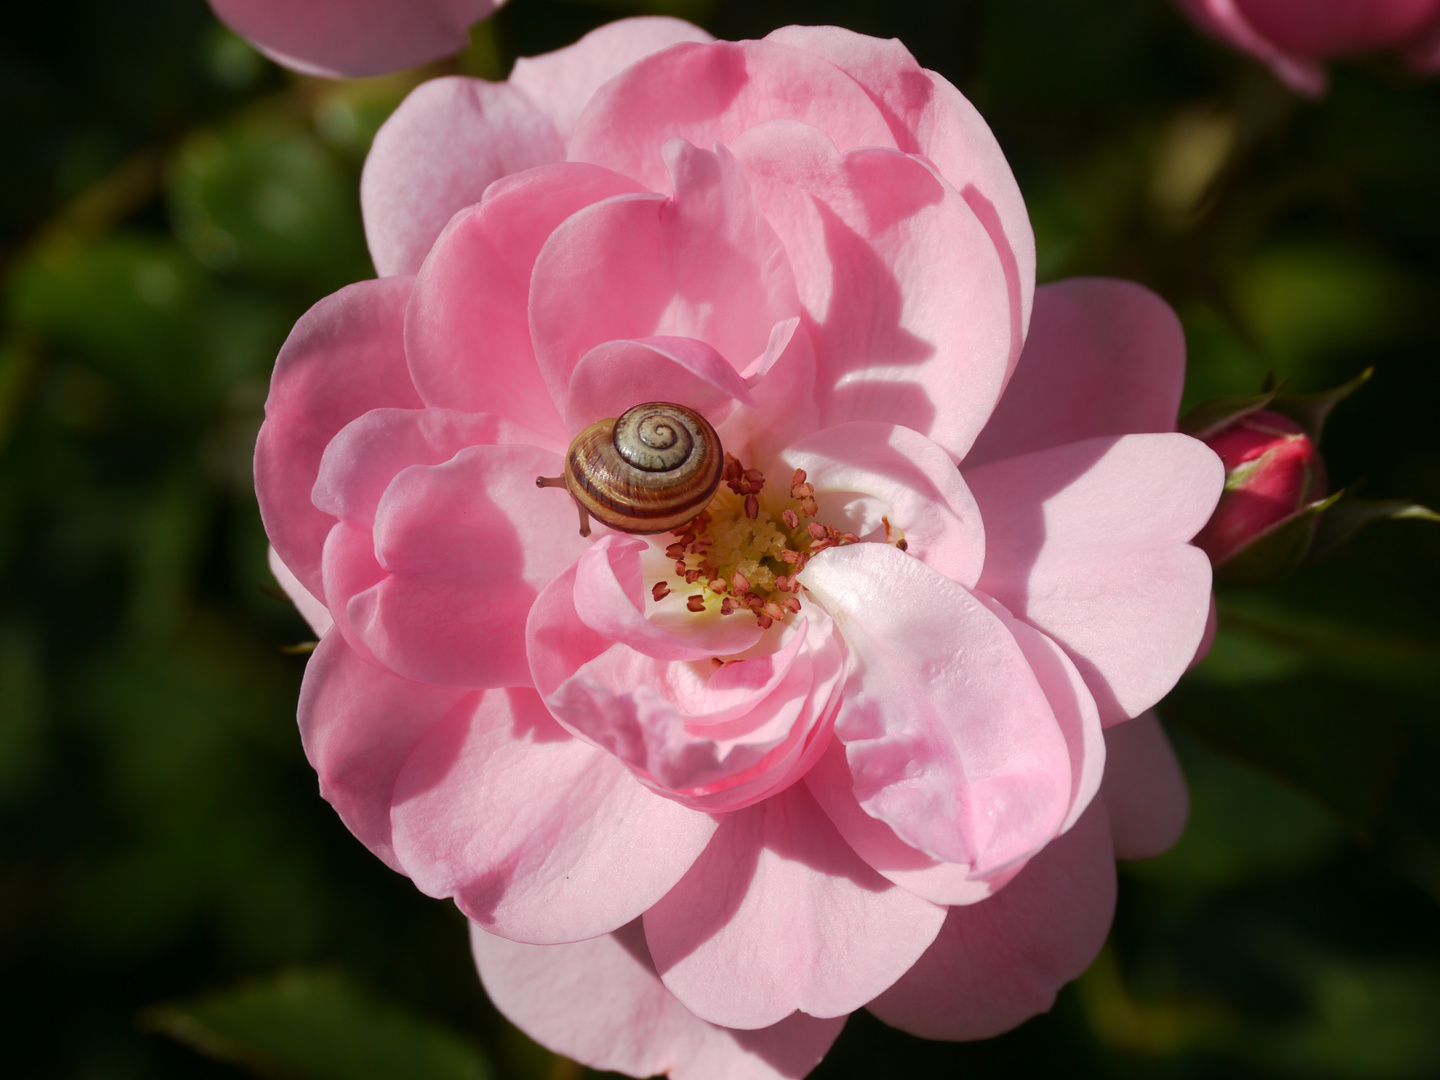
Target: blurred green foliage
{"points": [[170, 202]]}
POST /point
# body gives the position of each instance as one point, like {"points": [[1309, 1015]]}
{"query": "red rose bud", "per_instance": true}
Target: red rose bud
{"points": [[1273, 472]]}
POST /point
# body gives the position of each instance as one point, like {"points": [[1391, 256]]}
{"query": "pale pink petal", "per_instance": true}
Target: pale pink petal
{"points": [[949, 735], [905, 294], [311, 609], [467, 332], [437, 154], [928, 116], [1224, 19], [633, 1024], [358, 724], [779, 914], [612, 377], [997, 963], [782, 381], [706, 94], [349, 567], [536, 834], [832, 784], [884, 483], [715, 738], [563, 81], [345, 357], [703, 265], [1144, 789], [612, 598], [1088, 542], [1104, 357], [367, 453], [352, 38], [466, 547]]}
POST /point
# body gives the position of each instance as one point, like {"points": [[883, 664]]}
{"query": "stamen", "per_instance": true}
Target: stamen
{"points": [[695, 602], [660, 591], [728, 606], [792, 519], [902, 545]]}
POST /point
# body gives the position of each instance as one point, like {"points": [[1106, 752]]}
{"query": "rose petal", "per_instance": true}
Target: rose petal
{"points": [[709, 93], [612, 377], [358, 724], [533, 832], [352, 38], [928, 116], [635, 1026], [436, 154], [949, 736], [345, 357], [466, 547], [996, 964], [1088, 542], [1144, 789], [905, 294], [779, 914], [1224, 19], [1103, 357], [882, 483], [704, 265], [312, 610], [563, 81], [467, 333]]}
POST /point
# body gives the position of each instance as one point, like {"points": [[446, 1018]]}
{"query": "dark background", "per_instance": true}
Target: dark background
{"points": [[176, 900]]}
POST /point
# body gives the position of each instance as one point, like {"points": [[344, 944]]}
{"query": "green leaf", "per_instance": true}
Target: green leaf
{"points": [[317, 1025]]}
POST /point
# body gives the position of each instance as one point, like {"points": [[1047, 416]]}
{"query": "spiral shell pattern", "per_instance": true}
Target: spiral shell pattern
{"points": [[651, 469]]}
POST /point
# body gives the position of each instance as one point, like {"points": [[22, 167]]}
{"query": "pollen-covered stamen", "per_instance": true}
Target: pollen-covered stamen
{"points": [[748, 548]]}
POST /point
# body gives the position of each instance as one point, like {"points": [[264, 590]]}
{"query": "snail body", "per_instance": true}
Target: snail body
{"points": [[652, 468]]}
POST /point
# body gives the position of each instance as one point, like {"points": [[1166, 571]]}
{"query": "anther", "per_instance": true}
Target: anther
{"points": [[902, 545], [765, 621], [718, 585], [792, 519], [692, 576], [740, 583], [695, 602], [752, 507], [817, 530], [675, 551], [660, 591], [728, 606]]}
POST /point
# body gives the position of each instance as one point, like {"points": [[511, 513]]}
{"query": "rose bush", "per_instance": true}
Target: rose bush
{"points": [[350, 38], [1294, 36], [839, 743]]}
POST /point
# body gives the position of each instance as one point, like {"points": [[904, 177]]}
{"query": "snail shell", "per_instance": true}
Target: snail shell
{"points": [[654, 467]]}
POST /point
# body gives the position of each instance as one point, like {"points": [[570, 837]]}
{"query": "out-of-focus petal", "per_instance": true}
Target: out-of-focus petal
{"points": [[1144, 789], [599, 1002], [562, 82], [353, 38], [949, 736], [709, 93], [779, 914], [533, 832], [437, 154], [882, 482], [358, 724], [345, 357], [1225, 20], [905, 294], [1088, 542], [997, 963], [1104, 357], [311, 609]]}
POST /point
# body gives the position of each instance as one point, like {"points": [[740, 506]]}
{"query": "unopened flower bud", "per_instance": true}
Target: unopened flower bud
{"points": [[1273, 471]]}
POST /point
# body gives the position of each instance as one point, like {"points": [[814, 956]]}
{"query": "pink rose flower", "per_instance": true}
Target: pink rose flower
{"points": [[1293, 36], [350, 38], [840, 742]]}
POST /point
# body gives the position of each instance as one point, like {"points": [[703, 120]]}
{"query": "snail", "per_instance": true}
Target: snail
{"points": [[654, 467]]}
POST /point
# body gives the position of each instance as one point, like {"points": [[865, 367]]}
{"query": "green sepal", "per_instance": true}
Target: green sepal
{"points": [[1276, 551], [1340, 525], [1311, 411], [1213, 416]]}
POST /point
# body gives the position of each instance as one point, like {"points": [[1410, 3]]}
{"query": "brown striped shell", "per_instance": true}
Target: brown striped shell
{"points": [[654, 467]]}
